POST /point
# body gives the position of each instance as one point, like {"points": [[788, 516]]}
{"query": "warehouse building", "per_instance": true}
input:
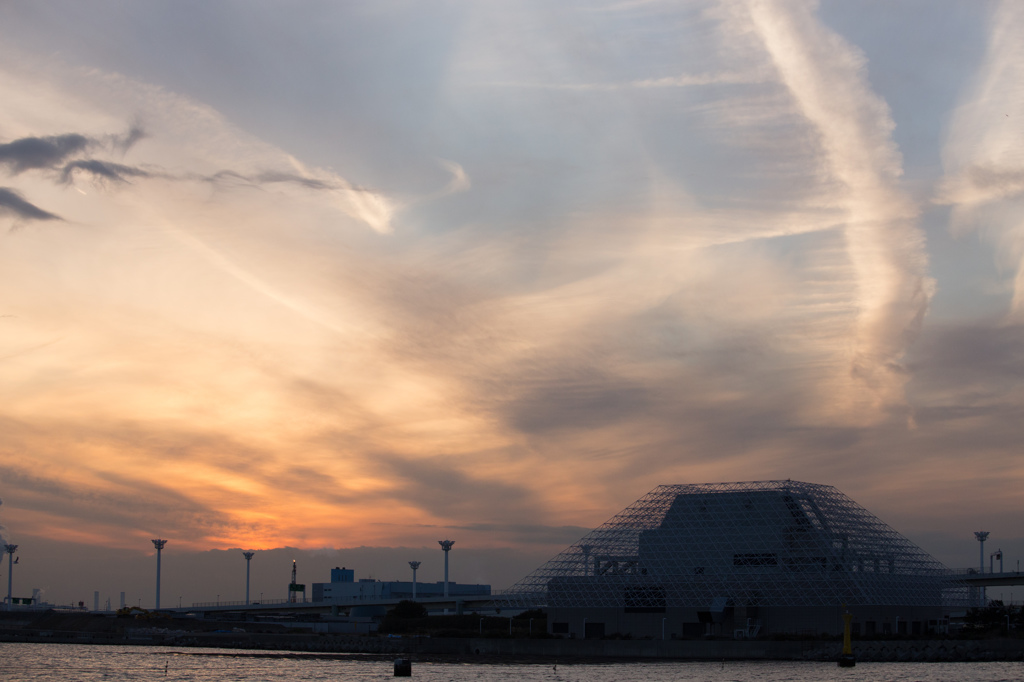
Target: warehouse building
{"points": [[345, 589]]}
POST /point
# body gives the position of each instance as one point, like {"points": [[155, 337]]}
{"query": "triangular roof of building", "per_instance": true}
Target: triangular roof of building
{"points": [[754, 543]]}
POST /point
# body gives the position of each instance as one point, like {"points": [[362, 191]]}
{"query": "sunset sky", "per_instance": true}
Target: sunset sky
{"points": [[327, 275]]}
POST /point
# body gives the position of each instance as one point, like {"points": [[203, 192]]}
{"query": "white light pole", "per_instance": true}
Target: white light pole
{"points": [[446, 545], [159, 544], [10, 549], [981, 536], [248, 560], [414, 565]]}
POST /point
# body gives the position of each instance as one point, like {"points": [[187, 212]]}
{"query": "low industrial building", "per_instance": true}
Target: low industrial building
{"points": [[345, 589], [741, 560]]}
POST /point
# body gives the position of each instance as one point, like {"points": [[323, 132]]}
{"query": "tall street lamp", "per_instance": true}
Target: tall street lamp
{"points": [[159, 544], [248, 560], [10, 549], [414, 565], [446, 545]]}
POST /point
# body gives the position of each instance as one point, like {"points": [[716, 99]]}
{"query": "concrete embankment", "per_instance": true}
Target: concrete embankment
{"points": [[426, 648], [88, 629], [893, 650]]}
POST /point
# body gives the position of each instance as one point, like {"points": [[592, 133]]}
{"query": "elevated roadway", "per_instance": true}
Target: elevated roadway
{"points": [[490, 604], [455, 604], [973, 577]]}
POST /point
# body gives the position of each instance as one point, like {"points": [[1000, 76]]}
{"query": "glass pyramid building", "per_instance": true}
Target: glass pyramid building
{"points": [[756, 544]]}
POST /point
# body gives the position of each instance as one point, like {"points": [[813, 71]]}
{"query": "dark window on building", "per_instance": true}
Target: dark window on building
{"points": [[755, 560], [593, 631], [646, 599], [869, 627], [887, 628], [560, 628], [855, 628], [901, 627], [799, 564], [915, 627]]}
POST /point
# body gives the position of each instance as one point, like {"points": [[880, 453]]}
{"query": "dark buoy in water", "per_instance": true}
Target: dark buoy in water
{"points": [[403, 667], [847, 659]]}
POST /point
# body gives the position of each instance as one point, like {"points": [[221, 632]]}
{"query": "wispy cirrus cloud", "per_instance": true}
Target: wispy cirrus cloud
{"points": [[828, 82], [517, 264], [676, 81], [984, 180]]}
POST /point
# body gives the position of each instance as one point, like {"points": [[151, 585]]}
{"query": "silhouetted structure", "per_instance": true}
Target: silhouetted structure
{"points": [[446, 546], [741, 559], [414, 565], [345, 589], [159, 544], [10, 549], [248, 562]]}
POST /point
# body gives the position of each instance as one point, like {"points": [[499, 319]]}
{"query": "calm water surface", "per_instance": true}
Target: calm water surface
{"points": [[82, 662]]}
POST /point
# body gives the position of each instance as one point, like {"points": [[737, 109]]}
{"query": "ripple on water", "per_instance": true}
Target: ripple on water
{"points": [[77, 662]]}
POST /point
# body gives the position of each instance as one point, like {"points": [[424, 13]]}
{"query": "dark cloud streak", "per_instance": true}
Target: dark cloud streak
{"points": [[128, 140], [11, 202], [1006, 181], [29, 153], [962, 354], [309, 183], [105, 170], [440, 486], [277, 177], [529, 533], [130, 503]]}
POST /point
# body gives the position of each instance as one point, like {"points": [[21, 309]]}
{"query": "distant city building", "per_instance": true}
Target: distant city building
{"points": [[741, 560], [344, 588]]}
